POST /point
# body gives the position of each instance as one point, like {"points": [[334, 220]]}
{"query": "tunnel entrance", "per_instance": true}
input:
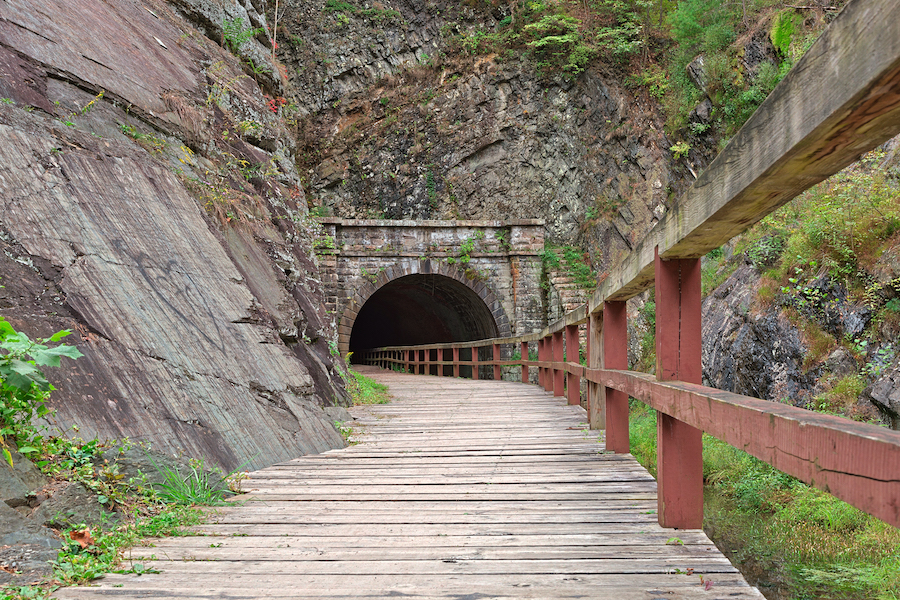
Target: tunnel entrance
{"points": [[421, 309]]}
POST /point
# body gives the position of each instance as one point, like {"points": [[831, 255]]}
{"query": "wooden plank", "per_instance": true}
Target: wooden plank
{"points": [[288, 552], [254, 569], [386, 543], [674, 585], [437, 531]]}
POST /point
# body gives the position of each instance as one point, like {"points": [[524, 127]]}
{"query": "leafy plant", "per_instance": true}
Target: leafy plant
{"points": [[237, 34], [556, 42], [623, 33], [23, 387], [680, 149]]}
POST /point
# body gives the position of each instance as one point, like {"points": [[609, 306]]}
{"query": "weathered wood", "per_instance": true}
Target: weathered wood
{"points": [[533, 512], [676, 584], [614, 355], [573, 381], [523, 352], [558, 374], [678, 352]]}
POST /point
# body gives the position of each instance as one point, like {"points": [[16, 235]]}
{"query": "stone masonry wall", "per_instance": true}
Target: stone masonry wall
{"points": [[359, 256]]}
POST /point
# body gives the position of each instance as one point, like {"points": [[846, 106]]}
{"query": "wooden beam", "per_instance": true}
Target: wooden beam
{"points": [[596, 401], [678, 346], [558, 374], [614, 340], [524, 353], [573, 381]]}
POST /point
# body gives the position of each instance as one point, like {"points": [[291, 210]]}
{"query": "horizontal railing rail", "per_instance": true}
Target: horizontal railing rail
{"points": [[840, 100]]}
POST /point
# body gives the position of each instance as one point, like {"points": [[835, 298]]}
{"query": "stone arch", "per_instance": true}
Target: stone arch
{"points": [[445, 277]]}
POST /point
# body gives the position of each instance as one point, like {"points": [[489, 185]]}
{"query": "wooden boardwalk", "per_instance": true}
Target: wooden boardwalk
{"points": [[457, 489]]}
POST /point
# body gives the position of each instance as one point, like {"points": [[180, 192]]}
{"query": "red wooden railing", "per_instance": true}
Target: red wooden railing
{"points": [[841, 99]]}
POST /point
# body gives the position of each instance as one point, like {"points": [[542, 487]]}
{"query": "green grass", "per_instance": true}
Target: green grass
{"points": [[194, 486], [365, 390], [811, 543]]}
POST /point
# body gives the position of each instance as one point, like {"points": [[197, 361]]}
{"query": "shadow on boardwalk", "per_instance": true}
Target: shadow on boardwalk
{"points": [[457, 489]]}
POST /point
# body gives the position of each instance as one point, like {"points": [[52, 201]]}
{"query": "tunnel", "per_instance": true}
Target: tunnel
{"points": [[421, 309]]}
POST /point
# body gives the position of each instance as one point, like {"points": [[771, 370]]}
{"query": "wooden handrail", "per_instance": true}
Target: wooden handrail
{"points": [[840, 100]]}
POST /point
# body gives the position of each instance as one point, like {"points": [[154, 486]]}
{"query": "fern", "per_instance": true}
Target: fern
{"points": [[236, 34]]}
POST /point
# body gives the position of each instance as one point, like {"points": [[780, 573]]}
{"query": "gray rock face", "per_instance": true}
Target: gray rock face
{"points": [[840, 363], [72, 506], [884, 394], [757, 50], [16, 530], [758, 355], [18, 481], [406, 128], [24, 563], [174, 245], [696, 70]]}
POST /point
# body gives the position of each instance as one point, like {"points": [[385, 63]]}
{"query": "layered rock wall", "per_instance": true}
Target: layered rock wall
{"points": [[148, 201]]}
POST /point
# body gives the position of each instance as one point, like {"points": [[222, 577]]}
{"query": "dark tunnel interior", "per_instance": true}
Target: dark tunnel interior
{"points": [[421, 309]]}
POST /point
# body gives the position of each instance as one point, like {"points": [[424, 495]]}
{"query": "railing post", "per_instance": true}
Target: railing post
{"points": [[426, 355], [540, 352], [548, 356], [614, 340], [573, 381], [474, 362], [439, 359], [409, 362], [678, 346], [559, 376], [524, 353], [498, 372], [596, 404]]}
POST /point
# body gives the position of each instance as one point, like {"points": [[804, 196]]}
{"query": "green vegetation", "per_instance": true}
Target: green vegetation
{"points": [[654, 41], [807, 542], [718, 32], [236, 34], [196, 486], [365, 390], [24, 389], [144, 510], [553, 36], [572, 263]]}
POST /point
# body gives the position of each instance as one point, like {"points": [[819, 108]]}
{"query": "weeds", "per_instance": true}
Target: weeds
{"points": [[195, 486], [365, 390]]}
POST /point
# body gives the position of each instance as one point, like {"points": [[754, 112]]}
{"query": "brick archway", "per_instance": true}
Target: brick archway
{"points": [[477, 290]]}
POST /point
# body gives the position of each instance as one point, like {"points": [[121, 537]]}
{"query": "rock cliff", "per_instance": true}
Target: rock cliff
{"points": [[404, 122], [149, 201]]}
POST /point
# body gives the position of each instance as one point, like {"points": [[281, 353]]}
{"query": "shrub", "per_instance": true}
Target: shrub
{"points": [[23, 387]]}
